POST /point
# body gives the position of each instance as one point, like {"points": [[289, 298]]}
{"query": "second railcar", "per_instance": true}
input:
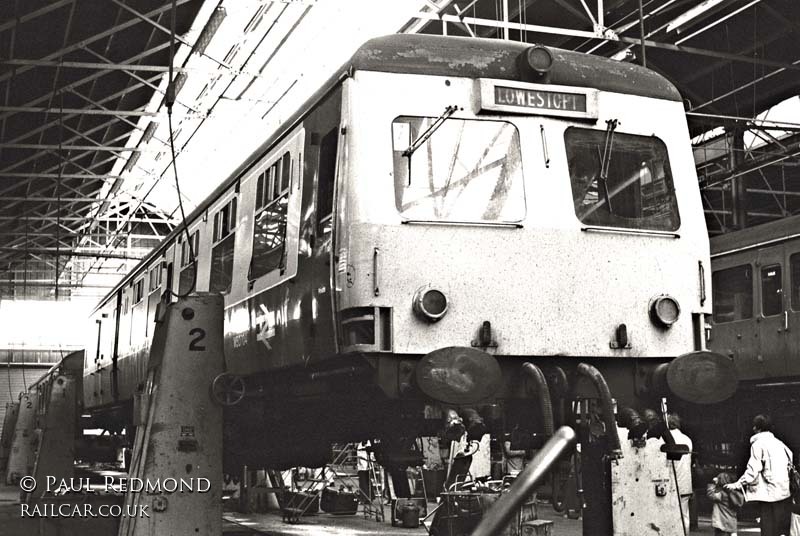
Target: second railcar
{"points": [[756, 324]]}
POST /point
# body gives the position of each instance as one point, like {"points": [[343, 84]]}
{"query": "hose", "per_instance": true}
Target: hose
{"points": [[608, 408], [535, 374]]}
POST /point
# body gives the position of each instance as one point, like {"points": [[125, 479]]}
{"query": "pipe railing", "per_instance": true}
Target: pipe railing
{"points": [[526, 483]]}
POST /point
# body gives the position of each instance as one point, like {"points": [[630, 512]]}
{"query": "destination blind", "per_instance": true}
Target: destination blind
{"points": [[539, 99]]}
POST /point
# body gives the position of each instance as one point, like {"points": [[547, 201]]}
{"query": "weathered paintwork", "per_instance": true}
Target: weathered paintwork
{"points": [[551, 289]]}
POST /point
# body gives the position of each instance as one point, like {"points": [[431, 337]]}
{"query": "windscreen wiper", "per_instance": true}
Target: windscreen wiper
{"points": [[450, 110], [605, 161]]}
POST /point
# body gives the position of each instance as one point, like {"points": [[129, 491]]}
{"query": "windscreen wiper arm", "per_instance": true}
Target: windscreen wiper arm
{"points": [[605, 161], [450, 110]]}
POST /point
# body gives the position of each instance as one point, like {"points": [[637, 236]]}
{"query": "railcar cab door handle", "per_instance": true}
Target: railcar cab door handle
{"points": [[786, 321]]}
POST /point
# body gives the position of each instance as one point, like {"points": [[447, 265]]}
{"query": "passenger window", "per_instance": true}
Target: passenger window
{"points": [[771, 290], [155, 278], [222, 251], [794, 267], [269, 231], [138, 291], [732, 293], [187, 283], [327, 176]]}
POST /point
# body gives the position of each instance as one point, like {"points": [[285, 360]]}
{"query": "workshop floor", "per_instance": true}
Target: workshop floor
{"points": [[12, 523]]}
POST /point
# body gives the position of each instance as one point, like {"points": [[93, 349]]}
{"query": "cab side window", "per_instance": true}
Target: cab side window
{"points": [[733, 293], [771, 290]]}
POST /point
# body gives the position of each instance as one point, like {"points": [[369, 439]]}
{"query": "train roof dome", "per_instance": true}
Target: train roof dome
{"points": [[494, 58]]}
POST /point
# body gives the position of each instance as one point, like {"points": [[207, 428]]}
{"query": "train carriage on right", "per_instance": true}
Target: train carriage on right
{"points": [[756, 321]]}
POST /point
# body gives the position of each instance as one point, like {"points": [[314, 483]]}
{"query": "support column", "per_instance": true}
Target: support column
{"points": [[738, 191], [23, 446], [181, 440]]}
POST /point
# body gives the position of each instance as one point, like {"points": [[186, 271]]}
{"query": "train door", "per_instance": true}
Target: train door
{"points": [[793, 308], [323, 325], [735, 332], [772, 313], [324, 126]]}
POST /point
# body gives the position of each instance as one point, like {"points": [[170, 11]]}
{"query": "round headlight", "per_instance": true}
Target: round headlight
{"points": [[664, 310], [430, 304]]}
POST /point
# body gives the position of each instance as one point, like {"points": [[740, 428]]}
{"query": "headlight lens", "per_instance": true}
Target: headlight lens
{"points": [[430, 304], [664, 310]]}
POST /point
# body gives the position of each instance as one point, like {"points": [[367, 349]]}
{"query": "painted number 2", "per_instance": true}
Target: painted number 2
{"points": [[196, 344]]}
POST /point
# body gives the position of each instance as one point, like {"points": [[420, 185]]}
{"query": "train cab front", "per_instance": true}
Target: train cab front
{"points": [[526, 213]]}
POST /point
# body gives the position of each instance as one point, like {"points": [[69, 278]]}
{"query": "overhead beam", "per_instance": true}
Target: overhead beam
{"points": [[65, 199], [56, 147], [79, 111], [27, 17], [35, 175], [93, 65], [102, 35], [64, 252], [599, 34]]}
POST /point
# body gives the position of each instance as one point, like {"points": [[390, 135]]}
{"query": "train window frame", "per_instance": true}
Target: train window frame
{"points": [[326, 181], [794, 281], [585, 172], [154, 278], [739, 311], [223, 247], [273, 187], [138, 291], [187, 272], [778, 307], [510, 209]]}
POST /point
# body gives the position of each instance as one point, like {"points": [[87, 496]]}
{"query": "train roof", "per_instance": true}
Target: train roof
{"points": [[494, 58], [757, 236], [445, 56]]}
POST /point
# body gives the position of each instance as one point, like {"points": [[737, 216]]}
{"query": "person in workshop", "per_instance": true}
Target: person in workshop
{"points": [[766, 479], [683, 468], [364, 460], [515, 459]]}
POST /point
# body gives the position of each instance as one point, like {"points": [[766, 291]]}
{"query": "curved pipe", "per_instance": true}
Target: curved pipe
{"points": [[535, 374], [528, 480], [608, 407]]}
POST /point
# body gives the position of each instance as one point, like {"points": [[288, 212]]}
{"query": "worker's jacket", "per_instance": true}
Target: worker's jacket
{"points": [[767, 475]]}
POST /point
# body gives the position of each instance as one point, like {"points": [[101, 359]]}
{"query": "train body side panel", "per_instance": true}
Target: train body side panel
{"points": [[290, 323]]}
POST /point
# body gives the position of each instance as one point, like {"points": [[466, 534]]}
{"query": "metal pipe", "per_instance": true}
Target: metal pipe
{"points": [[641, 34], [528, 480], [545, 403], [608, 407]]}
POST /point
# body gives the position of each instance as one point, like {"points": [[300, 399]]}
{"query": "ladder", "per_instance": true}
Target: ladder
{"points": [[297, 501]]}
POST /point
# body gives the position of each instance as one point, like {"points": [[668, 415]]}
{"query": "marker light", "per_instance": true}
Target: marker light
{"points": [[539, 59], [664, 310], [430, 304]]}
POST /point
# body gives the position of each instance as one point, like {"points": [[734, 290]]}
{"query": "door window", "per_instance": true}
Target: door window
{"points": [[732, 293], [794, 267], [771, 290]]}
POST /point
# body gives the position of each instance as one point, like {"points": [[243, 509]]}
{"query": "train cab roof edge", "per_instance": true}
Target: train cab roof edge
{"points": [[444, 56], [494, 58], [756, 236]]}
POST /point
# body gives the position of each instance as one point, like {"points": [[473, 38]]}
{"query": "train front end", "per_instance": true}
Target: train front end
{"points": [[503, 205]]}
